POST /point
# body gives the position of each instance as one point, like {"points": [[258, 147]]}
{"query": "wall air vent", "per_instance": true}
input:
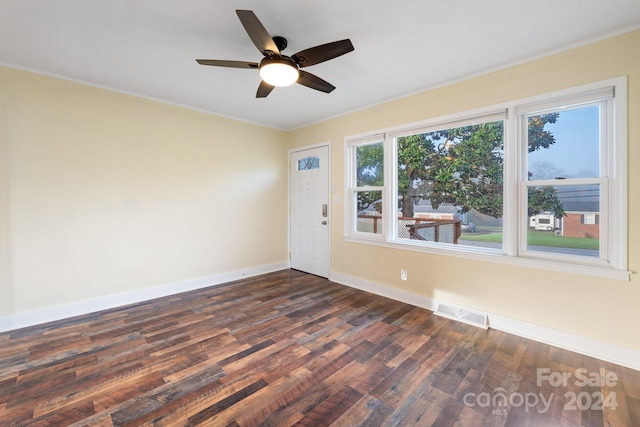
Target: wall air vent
{"points": [[463, 315]]}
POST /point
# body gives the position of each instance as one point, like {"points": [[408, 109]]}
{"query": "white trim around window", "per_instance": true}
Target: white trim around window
{"points": [[609, 95]]}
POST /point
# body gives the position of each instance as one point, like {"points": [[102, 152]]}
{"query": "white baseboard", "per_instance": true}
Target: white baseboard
{"points": [[49, 314], [599, 349], [590, 347]]}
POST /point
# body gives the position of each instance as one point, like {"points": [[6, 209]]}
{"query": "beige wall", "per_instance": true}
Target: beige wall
{"points": [[104, 193], [602, 309]]}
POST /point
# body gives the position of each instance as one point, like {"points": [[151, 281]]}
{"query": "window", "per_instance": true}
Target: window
{"points": [[540, 182], [367, 189], [589, 218], [448, 176], [565, 179], [308, 163]]}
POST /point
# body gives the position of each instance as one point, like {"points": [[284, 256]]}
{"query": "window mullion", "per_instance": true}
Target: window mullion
{"points": [[391, 190], [512, 171], [522, 220]]}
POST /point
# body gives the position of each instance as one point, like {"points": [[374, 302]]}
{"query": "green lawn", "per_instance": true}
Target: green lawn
{"points": [[535, 238]]}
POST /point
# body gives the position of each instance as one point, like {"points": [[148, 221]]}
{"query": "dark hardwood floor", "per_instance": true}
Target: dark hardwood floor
{"points": [[289, 348]]}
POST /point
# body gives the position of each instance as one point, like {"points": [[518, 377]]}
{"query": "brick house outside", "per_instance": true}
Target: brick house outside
{"points": [[582, 219]]}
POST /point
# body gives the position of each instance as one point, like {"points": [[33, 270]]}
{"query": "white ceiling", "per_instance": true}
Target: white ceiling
{"points": [[149, 47]]}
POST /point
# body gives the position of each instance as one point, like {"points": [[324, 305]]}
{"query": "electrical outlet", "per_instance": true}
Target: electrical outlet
{"points": [[403, 274]]}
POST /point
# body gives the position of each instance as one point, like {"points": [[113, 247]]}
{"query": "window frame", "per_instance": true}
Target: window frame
{"points": [[465, 119], [604, 101], [613, 185], [352, 189]]}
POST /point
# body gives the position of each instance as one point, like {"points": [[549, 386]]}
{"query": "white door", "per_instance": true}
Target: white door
{"points": [[310, 210]]}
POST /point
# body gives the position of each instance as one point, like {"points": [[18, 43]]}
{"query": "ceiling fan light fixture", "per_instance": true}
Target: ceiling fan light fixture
{"points": [[279, 72]]}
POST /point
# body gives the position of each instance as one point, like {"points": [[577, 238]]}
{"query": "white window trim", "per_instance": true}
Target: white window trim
{"points": [[511, 254], [351, 189], [602, 97]]}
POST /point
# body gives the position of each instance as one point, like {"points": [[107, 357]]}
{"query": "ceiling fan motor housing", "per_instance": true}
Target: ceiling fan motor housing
{"points": [[281, 42]]}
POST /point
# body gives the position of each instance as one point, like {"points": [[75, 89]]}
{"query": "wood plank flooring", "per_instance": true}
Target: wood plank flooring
{"points": [[288, 348]]}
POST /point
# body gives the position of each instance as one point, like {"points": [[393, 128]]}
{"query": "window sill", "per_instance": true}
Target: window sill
{"points": [[493, 256]]}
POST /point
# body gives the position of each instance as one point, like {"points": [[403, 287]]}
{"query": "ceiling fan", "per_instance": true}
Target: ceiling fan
{"points": [[277, 69]]}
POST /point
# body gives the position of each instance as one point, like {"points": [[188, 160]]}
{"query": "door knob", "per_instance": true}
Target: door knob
{"points": [[324, 222]]}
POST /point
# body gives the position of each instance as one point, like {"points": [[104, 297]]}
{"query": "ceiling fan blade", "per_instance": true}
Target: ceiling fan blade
{"points": [[314, 82], [324, 52], [231, 64], [258, 34], [264, 89]]}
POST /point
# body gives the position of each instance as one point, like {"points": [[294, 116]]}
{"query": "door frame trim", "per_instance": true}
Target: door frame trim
{"points": [[330, 186]]}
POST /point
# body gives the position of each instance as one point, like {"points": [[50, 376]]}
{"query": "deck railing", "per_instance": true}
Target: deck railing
{"points": [[428, 229]]}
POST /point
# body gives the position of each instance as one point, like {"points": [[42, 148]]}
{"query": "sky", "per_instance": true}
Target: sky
{"points": [[576, 151]]}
